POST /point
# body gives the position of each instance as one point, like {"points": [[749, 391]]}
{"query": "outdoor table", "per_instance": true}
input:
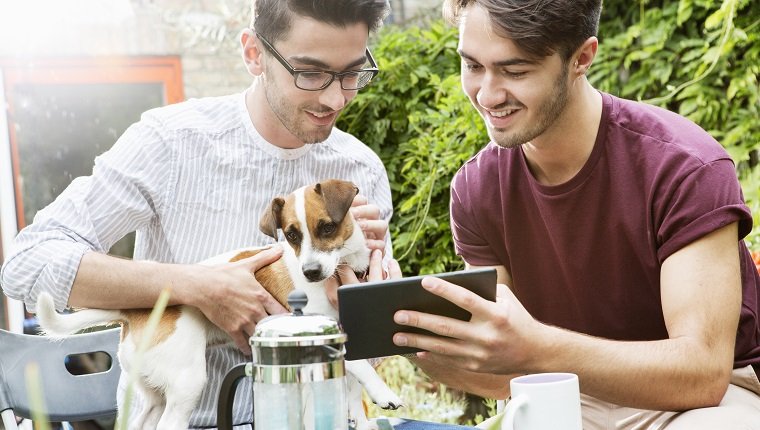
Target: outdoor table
{"points": [[425, 425]]}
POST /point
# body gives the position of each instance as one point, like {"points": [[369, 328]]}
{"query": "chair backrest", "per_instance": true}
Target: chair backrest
{"points": [[67, 397]]}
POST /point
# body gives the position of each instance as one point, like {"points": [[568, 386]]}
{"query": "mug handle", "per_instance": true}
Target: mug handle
{"points": [[508, 422], [227, 395]]}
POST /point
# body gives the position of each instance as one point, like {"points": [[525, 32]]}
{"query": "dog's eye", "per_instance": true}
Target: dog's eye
{"points": [[292, 237], [328, 228]]}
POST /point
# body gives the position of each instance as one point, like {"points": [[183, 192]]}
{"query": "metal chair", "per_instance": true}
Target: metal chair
{"points": [[67, 397]]}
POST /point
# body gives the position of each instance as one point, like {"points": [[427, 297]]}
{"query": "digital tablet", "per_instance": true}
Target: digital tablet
{"points": [[366, 310]]}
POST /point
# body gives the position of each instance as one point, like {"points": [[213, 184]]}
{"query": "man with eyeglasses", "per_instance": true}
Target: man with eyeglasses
{"points": [[192, 180]]}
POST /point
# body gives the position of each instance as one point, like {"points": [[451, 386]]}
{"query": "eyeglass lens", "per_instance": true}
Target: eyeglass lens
{"points": [[351, 80]]}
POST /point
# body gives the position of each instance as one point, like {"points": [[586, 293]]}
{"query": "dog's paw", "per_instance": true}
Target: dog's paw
{"points": [[390, 401], [383, 396]]}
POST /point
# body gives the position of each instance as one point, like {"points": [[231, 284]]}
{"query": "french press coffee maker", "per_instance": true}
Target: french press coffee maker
{"points": [[298, 373]]}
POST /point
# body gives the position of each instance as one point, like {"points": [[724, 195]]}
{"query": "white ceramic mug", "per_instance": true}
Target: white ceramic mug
{"points": [[544, 401]]}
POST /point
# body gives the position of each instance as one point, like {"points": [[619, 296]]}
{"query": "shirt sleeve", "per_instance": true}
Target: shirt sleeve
{"points": [[381, 196], [91, 214], [705, 200], [469, 241]]}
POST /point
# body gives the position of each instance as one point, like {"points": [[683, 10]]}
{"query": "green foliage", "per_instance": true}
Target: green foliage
{"points": [[417, 119], [424, 399], [700, 58]]}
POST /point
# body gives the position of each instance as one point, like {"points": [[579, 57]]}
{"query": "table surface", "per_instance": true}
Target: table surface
{"points": [[400, 424]]}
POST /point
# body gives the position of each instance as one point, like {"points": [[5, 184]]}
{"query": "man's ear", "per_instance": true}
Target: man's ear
{"points": [[584, 56], [252, 53], [338, 196], [271, 219]]}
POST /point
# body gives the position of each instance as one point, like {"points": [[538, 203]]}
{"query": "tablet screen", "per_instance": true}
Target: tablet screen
{"points": [[366, 310]]}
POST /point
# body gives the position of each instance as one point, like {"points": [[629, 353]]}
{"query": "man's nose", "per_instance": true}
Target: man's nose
{"points": [[334, 96], [492, 92]]}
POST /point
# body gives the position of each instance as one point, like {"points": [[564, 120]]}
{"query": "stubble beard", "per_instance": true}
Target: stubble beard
{"points": [[289, 115], [547, 114]]}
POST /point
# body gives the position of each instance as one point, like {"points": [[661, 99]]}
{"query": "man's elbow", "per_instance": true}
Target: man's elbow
{"points": [[715, 387], [706, 391], [13, 283]]}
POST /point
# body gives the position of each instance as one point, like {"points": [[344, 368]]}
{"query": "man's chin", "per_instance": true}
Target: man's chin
{"points": [[504, 140], [317, 137], [314, 140]]}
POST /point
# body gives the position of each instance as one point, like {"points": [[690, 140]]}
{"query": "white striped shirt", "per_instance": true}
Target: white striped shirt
{"points": [[192, 179]]}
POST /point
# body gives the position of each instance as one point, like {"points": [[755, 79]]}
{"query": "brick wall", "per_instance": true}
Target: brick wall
{"points": [[203, 33]]}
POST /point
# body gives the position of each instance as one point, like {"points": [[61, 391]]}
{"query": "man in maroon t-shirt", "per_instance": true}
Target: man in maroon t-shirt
{"points": [[616, 225]]}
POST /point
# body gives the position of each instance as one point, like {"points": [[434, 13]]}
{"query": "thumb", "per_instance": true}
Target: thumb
{"points": [[263, 258], [503, 292]]}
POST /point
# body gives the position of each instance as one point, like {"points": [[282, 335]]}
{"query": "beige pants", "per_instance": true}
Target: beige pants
{"points": [[739, 410]]}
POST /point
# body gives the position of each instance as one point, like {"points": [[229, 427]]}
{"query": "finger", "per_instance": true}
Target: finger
{"points": [[443, 361], [376, 272], [346, 275], [241, 341], [461, 297], [394, 270], [373, 229], [376, 244], [365, 211], [272, 307], [359, 200], [263, 258], [331, 288], [437, 324], [434, 344], [502, 292]]}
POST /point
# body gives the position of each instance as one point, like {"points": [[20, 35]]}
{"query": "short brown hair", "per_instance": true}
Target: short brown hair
{"points": [[272, 18], [538, 27]]}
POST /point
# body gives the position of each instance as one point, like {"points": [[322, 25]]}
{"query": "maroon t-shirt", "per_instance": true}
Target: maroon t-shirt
{"points": [[586, 255]]}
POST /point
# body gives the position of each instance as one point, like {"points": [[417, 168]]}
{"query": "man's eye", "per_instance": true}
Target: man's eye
{"points": [[470, 67], [515, 74], [313, 76], [350, 76]]}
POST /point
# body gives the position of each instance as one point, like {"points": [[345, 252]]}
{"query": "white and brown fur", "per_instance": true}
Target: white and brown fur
{"points": [[320, 234]]}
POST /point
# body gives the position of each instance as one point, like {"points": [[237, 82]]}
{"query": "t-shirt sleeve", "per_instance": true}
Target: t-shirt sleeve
{"points": [[469, 241], [705, 200]]}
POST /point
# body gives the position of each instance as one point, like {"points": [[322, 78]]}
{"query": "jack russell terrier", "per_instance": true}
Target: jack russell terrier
{"points": [[320, 233]]}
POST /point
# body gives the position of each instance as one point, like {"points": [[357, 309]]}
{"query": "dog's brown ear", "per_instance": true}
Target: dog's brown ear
{"points": [[270, 220], [338, 196]]}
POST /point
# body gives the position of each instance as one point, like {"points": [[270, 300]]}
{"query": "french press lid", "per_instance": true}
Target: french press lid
{"points": [[297, 347], [297, 328]]}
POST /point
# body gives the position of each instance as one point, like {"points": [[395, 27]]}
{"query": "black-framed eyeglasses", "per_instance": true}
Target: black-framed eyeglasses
{"points": [[315, 80]]}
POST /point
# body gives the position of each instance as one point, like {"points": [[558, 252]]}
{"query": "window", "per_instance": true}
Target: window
{"points": [[62, 113]]}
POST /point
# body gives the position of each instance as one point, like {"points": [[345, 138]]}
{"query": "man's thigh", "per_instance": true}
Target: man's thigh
{"points": [[739, 409]]}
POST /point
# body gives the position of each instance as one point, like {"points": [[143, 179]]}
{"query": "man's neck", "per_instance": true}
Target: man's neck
{"points": [[265, 121], [560, 153]]}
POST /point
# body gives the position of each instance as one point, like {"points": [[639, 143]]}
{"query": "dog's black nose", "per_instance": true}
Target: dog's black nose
{"points": [[312, 272]]}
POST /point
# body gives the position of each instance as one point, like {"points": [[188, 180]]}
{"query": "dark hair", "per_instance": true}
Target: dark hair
{"points": [[272, 18], [538, 27]]}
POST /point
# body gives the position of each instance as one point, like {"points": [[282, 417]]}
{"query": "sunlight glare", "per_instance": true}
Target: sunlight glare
{"points": [[32, 27]]}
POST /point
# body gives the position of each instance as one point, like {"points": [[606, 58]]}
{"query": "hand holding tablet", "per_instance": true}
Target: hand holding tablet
{"points": [[366, 310]]}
